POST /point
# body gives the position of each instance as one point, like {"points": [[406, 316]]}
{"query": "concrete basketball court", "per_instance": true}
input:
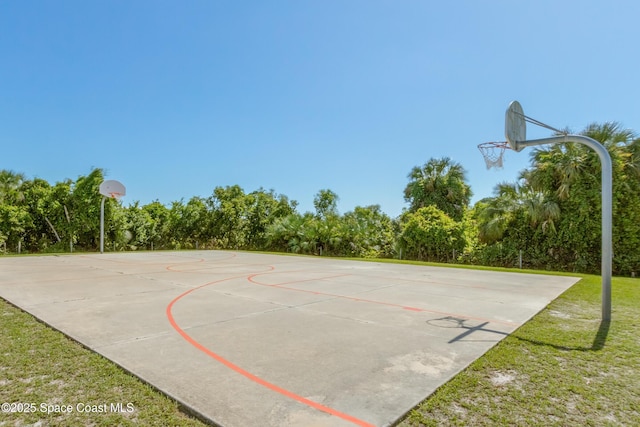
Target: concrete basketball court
{"points": [[246, 339]]}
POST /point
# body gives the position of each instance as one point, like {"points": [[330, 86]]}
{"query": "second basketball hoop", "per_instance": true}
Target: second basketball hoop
{"points": [[493, 153]]}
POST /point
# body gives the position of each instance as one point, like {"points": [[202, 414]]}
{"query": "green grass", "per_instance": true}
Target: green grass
{"points": [[562, 368], [39, 365]]}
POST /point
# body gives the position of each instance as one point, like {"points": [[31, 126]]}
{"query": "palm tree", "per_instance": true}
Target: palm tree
{"points": [[634, 159], [610, 134], [515, 201], [498, 213], [557, 168], [541, 211], [560, 166], [10, 183], [290, 233], [439, 182]]}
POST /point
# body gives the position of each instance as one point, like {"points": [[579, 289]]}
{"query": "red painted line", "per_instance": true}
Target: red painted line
{"points": [[248, 374], [251, 278], [454, 285]]}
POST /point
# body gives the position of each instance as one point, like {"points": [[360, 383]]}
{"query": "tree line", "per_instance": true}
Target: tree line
{"points": [[551, 215]]}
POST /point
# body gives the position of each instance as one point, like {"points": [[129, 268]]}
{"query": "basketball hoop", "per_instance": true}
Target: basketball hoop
{"points": [[110, 189], [492, 153]]}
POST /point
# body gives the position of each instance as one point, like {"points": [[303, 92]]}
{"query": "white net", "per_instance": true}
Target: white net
{"points": [[493, 153]]}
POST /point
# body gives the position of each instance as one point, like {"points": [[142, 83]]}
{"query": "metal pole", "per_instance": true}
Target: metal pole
{"points": [[102, 225], [520, 259], [607, 203], [607, 223]]}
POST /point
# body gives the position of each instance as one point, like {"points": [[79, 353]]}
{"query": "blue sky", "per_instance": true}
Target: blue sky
{"points": [[173, 98]]}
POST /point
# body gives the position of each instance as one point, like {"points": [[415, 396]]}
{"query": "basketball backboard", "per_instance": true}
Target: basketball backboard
{"points": [[113, 189], [515, 127]]}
